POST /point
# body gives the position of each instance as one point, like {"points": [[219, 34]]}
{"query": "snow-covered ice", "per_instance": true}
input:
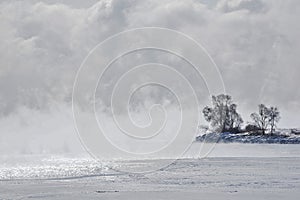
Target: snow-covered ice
{"points": [[228, 173]]}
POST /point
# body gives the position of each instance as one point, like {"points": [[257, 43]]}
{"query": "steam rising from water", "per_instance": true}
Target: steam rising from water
{"points": [[43, 44]]}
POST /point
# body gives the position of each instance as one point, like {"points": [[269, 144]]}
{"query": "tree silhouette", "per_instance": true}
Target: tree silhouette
{"points": [[274, 117], [223, 115], [261, 118], [266, 117]]}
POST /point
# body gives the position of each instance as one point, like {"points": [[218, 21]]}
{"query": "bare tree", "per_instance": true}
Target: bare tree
{"points": [[274, 117], [266, 117], [261, 118], [234, 119], [223, 115]]}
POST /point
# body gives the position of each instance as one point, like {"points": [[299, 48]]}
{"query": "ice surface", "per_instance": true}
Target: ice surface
{"points": [[215, 177]]}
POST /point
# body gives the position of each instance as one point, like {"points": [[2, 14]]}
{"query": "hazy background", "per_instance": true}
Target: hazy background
{"points": [[254, 43]]}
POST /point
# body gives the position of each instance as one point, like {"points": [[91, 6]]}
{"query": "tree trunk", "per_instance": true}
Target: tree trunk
{"points": [[272, 128]]}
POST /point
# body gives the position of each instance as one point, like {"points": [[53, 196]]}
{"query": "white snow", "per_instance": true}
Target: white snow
{"points": [[281, 137], [232, 171]]}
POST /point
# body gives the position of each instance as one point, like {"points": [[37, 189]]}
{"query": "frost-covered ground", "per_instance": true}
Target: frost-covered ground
{"points": [[232, 171], [282, 137]]}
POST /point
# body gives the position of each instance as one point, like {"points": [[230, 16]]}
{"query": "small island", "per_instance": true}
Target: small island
{"points": [[225, 125]]}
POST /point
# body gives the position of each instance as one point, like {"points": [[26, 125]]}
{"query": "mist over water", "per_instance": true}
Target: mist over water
{"points": [[32, 131], [43, 44]]}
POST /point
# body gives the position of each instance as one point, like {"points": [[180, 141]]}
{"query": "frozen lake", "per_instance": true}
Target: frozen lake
{"points": [[232, 171]]}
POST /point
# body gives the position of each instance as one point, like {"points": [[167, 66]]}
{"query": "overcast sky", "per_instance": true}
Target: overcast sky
{"points": [[254, 43]]}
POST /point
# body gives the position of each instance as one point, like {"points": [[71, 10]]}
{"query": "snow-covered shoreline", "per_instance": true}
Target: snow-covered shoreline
{"points": [[281, 137]]}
